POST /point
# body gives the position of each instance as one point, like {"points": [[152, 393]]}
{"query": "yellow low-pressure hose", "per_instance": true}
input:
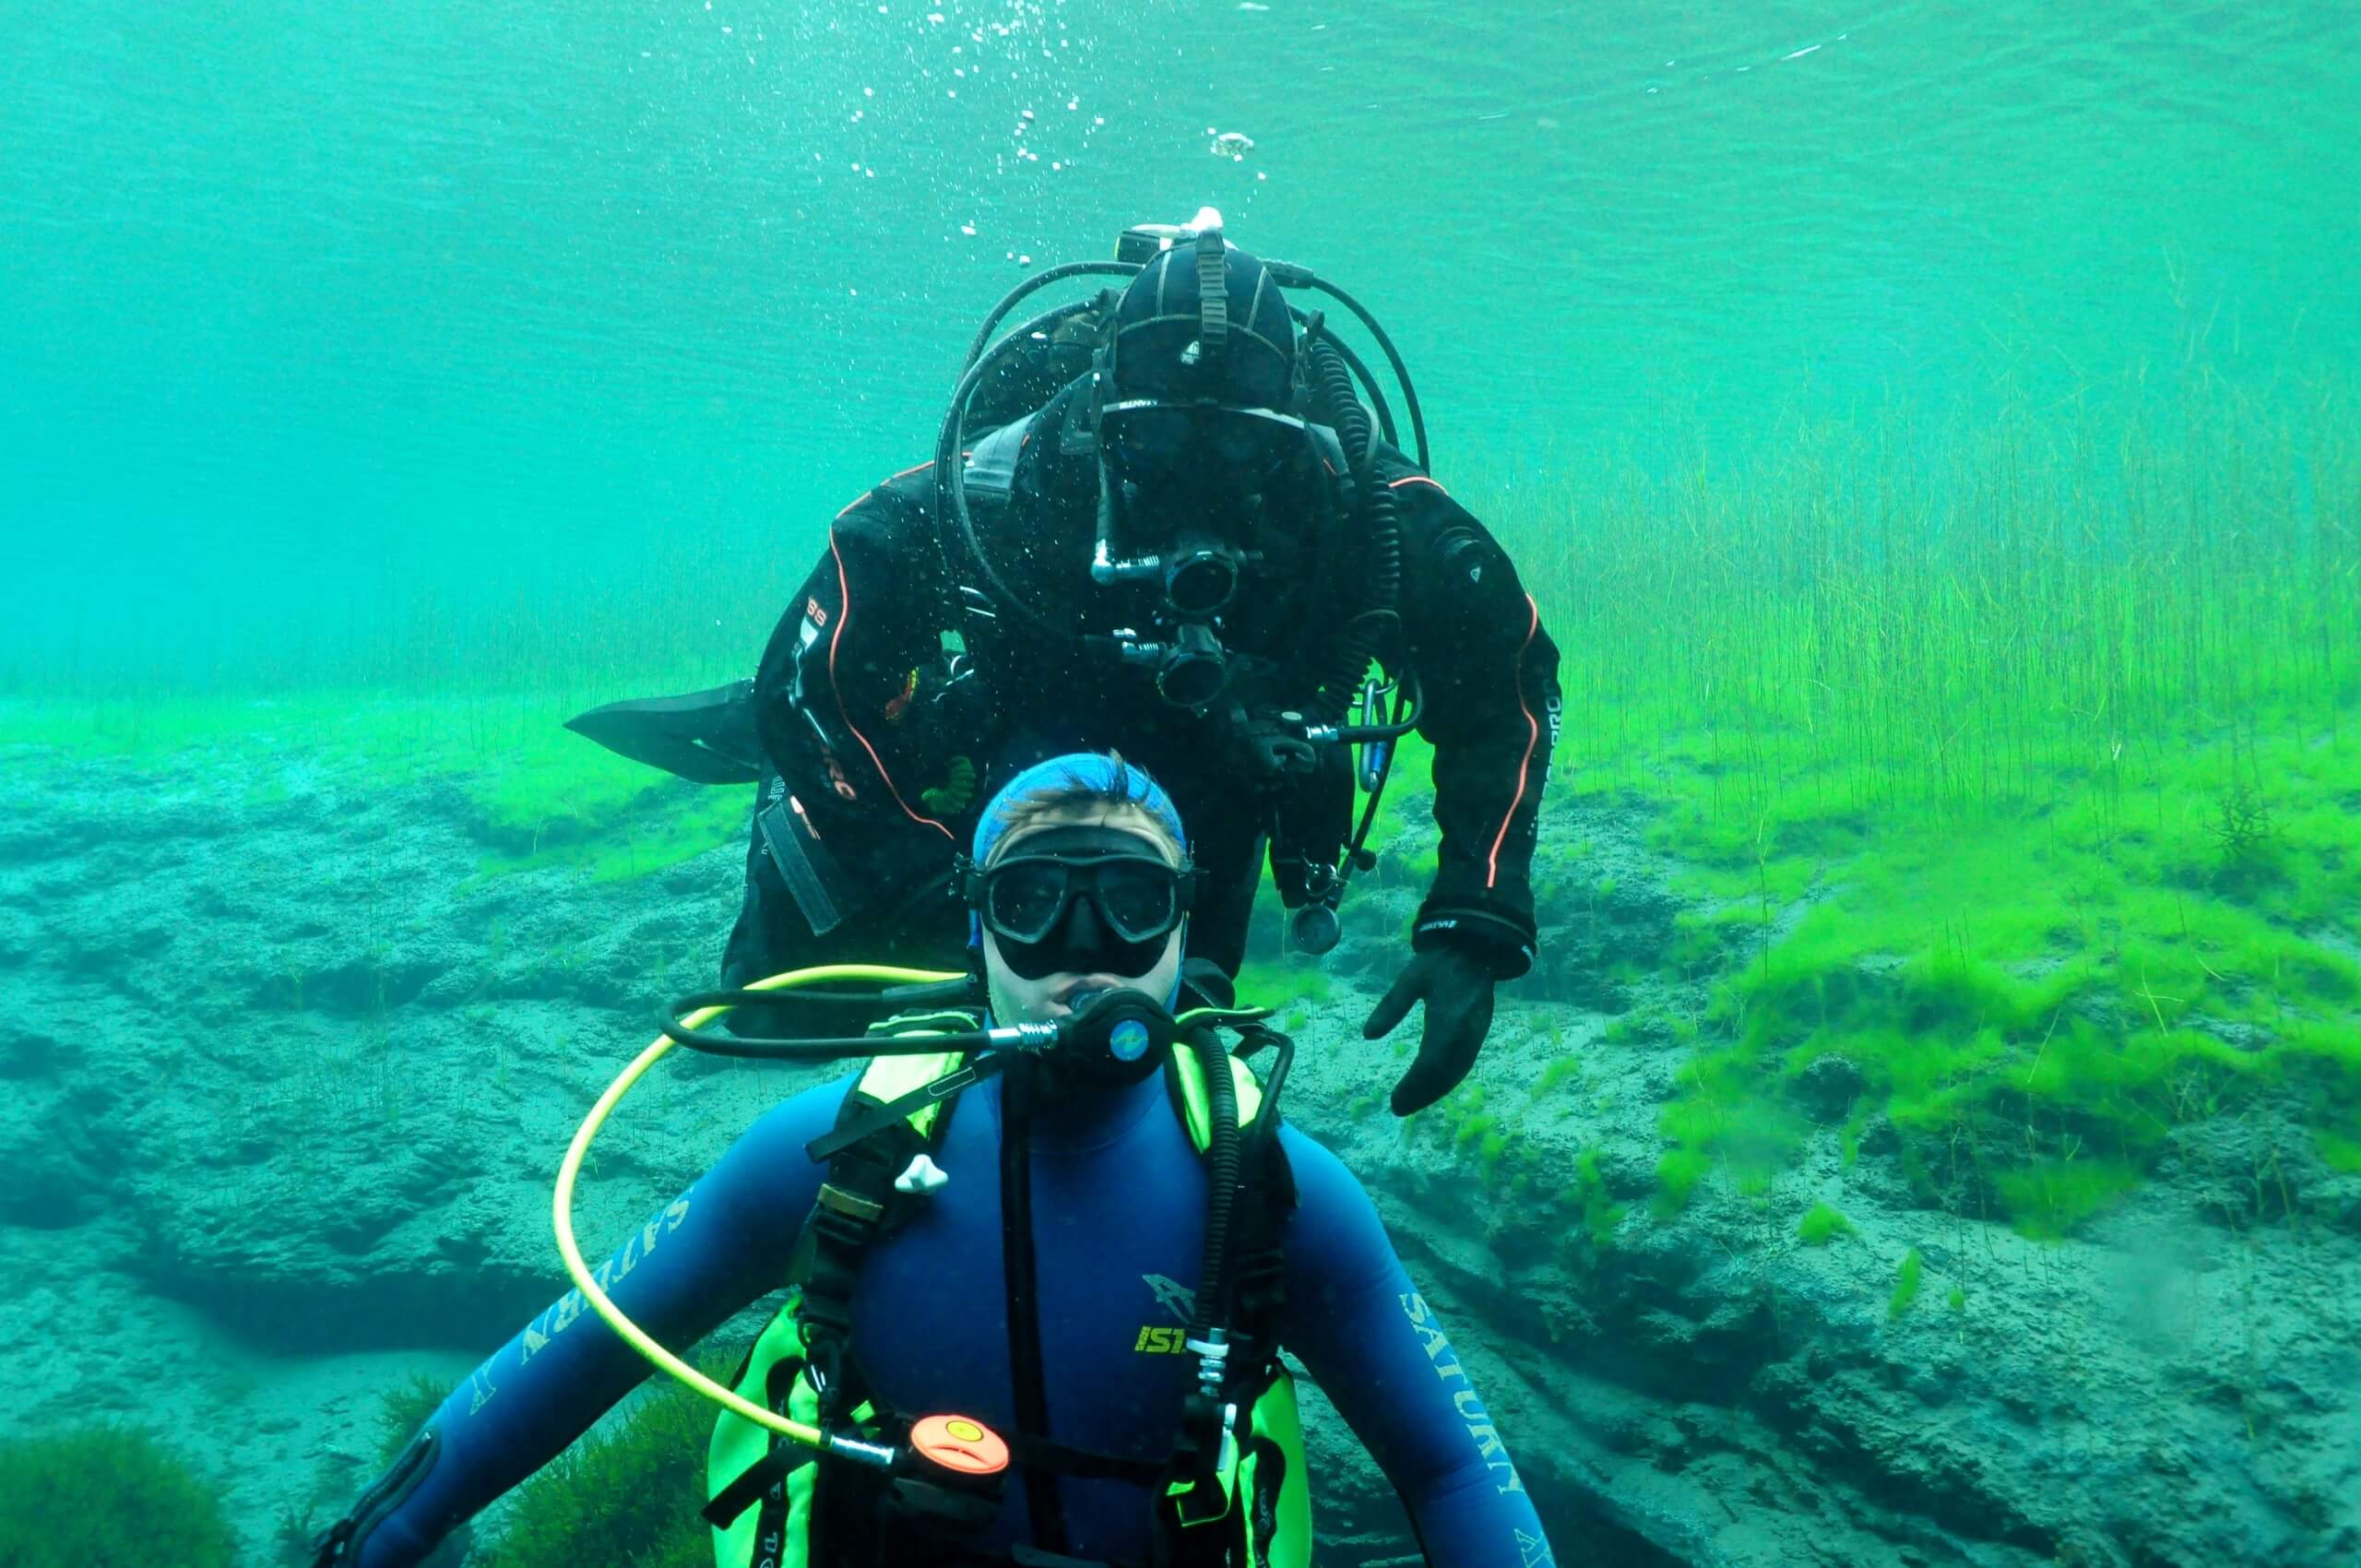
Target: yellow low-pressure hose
{"points": [[561, 1207]]}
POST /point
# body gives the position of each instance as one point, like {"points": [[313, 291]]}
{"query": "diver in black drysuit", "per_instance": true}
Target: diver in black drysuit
{"points": [[893, 698]]}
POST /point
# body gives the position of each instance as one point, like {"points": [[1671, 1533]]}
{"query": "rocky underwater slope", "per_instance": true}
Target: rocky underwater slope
{"points": [[293, 1052]]}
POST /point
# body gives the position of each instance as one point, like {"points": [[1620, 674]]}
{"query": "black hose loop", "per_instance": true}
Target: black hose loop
{"points": [[1348, 653]]}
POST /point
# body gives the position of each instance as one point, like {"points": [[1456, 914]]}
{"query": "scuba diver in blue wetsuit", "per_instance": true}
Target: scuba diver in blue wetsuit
{"points": [[1039, 1267]]}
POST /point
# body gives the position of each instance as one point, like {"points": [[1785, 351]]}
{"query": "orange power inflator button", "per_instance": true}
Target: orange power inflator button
{"points": [[957, 1444]]}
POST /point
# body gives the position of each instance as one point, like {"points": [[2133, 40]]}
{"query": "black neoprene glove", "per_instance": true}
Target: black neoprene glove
{"points": [[1456, 986]]}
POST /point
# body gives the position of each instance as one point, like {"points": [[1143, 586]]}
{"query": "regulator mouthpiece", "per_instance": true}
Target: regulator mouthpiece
{"points": [[1123, 1025]]}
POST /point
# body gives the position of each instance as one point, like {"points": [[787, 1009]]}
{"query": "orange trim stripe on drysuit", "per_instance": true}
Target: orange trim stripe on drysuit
{"points": [[1532, 738], [844, 614]]}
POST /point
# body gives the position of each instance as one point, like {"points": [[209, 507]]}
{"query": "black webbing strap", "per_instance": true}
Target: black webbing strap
{"points": [[761, 1482], [853, 1202], [1045, 1509], [1039, 1455], [782, 1461], [803, 862], [1259, 1277], [851, 1129], [827, 1261]]}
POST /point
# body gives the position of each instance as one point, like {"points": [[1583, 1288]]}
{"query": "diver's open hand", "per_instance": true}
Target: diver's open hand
{"points": [[1456, 986]]}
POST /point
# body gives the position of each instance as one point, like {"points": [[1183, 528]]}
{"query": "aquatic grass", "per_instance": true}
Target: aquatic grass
{"points": [[1821, 1225], [631, 834], [107, 1493], [1678, 1172], [1559, 1069], [1881, 618], [1905, 1284], [1282, 984], [536, 794], [1463, 1129], [1587, 1198], [626, 1494], [2047, 1198], [2338, 1152], [2013, 767], [2085, 1014]]}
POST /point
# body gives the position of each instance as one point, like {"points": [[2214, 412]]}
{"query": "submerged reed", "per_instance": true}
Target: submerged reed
{"points": [[1878, 619], [2045, 730]]}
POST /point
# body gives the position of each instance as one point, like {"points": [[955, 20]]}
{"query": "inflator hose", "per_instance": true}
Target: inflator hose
{"points": [[570, 1169]]}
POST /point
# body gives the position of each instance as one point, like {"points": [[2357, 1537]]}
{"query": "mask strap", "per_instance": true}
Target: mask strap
{"points": [[1213, 305]]}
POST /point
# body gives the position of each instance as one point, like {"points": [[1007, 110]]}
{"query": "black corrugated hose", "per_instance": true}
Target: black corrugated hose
{"points": [[1221, 1169], [1351, 650]]}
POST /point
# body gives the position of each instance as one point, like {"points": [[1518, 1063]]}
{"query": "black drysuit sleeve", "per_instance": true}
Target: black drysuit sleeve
{"points": [[1489, 675], [846, 699]]}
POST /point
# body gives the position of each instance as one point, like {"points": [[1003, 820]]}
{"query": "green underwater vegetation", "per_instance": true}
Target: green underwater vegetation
{"points": [[629, 1493], [1561, 1067], [1586, 1196], [107, 1494], [1905, 1284], [2012, 775], [1287, 985], [402, 1409], [1821, 1225], [2020, 797], [536, 795]]}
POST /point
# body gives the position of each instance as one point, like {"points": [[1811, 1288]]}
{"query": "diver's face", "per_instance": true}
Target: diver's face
{"points": [[1017, 999]]}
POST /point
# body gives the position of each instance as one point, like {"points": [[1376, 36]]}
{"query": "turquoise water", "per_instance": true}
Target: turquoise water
{"points": [[315, 319]]}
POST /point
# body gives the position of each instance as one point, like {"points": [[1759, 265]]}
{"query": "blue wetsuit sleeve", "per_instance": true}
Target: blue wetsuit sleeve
{"points": [[700, 1258], [1376, 1349]]}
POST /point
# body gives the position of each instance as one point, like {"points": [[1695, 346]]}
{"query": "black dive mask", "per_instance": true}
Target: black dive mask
{"points": [[1195, 482], [1083, 899], [1185, 491], [1191, 449]]}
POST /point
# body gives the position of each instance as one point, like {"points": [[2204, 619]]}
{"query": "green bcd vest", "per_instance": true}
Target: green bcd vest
{"points": [[1268, 1521]]}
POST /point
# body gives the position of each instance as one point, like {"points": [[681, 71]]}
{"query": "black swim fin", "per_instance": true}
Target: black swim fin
{"points": [[707, 737]]}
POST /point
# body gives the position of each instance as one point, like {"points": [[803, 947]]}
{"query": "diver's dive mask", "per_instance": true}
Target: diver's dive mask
{"points": [[1187, 486], [1080, 898], [1195, 447], [1194, 481]]}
